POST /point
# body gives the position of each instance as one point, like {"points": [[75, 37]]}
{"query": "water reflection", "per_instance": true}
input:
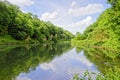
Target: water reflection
{"points": [[105, 60], [52, 62], [61, 68], [17, 59], [42, 62]]}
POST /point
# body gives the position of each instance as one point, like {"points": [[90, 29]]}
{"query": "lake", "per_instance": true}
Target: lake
{"points": [[52, 62]]}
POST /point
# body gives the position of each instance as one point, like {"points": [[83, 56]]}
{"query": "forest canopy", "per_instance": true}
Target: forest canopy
{"points": [[14, 24]]}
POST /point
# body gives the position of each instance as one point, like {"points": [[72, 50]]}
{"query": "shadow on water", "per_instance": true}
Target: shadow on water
{"points": [[17, 59]]}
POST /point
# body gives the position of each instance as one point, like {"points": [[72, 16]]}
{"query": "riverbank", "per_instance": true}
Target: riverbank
{"points": [[8, 40], [89, 44]]}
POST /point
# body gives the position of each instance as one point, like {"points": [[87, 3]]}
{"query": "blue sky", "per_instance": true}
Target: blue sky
{"points": [[72, 15]]}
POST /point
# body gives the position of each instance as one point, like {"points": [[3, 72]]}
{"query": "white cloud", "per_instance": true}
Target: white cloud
{"points": [[86, 10], [78, 58], [47, 66], [49, 16], [80, 26], [21, 2], [73, 4], [63, 19], [60, 20], [22, 78]]}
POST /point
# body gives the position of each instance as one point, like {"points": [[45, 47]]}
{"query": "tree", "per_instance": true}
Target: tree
{"points": [[26, 26], [115, 4]]}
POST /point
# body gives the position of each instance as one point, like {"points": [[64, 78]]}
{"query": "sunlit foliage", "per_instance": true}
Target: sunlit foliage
{"points": [[105, 32], [28, 27]]}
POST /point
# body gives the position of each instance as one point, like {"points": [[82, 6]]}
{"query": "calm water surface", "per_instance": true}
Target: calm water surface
{"points": [[62, 67], [47, 62]]}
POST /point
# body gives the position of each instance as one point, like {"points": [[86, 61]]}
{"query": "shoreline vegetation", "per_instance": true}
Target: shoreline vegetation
{"points": [[105, 32], [101, 42], [11, 41], [17, 27], [32, 42]]}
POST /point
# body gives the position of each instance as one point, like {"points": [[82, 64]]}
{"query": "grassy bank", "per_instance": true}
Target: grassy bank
{"points": [[8, 40]]}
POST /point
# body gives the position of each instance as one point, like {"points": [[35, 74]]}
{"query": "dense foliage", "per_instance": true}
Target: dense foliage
{"points": [[105, 32], [27, 27]]}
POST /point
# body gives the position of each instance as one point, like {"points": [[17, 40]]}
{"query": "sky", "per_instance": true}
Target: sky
{"points": [[72, 15]]}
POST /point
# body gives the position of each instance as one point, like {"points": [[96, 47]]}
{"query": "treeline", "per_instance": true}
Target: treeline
{"points": [[27, 27], [105, 32]]}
